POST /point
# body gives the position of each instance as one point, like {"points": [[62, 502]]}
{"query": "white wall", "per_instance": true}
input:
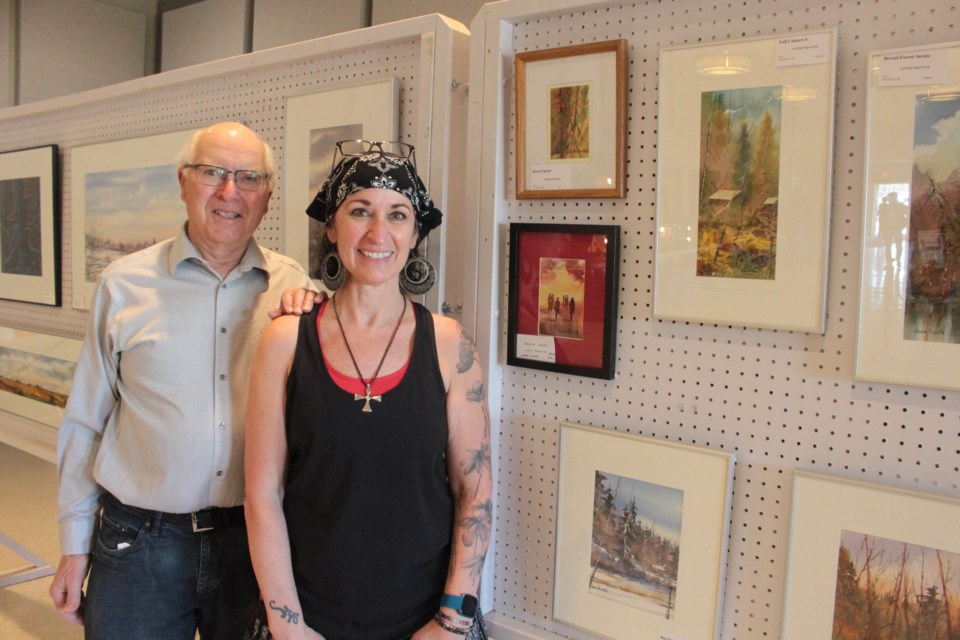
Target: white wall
{"points": [[280, 22], [391, 10], [202, 32], [68, 46]]}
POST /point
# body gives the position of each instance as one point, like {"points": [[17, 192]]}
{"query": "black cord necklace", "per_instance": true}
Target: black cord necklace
{"points": [[367, 397]]}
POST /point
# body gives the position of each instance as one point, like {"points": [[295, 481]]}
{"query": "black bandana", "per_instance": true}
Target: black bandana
{"points": [[375, 171]]}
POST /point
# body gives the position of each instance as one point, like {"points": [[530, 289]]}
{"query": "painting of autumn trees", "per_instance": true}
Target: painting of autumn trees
{"points": [[570, 122], [739, 181], [891, 590], [635, 542], [931, 312]]}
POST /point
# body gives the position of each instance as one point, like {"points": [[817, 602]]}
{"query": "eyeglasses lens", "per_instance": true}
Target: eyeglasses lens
{"points": [[245, 179]]}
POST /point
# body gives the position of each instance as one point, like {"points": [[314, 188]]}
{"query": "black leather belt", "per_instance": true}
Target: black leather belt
{"points": [[204, 520]]}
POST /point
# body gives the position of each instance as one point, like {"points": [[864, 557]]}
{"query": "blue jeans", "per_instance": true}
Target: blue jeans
{"points": [[150, 580]]}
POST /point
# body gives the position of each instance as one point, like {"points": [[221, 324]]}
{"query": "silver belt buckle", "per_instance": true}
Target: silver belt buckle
{"points": [[197, 529]]}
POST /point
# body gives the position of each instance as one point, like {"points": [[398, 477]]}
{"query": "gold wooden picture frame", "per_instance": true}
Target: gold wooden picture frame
{"points": [[571, 105]]}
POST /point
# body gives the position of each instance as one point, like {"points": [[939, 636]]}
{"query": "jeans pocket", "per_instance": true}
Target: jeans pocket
{"points": [[116, 538]]}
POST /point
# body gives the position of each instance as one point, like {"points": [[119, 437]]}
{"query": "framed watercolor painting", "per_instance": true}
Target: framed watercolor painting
{"points": [[865, 558], [745, 161], [30, 225], [910, 263], [315, 123], [125, 196], [641, 535], [572, 121], [36, 371], [563, 298]]}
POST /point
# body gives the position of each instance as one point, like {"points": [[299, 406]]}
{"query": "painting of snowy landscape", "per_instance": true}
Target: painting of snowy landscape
{"points": [[635, 550]]}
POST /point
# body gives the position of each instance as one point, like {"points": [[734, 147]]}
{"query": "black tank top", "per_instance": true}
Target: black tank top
{"points": [[367, 502]]}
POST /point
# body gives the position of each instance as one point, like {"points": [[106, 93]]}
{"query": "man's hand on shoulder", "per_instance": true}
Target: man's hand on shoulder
{"points": [[297, 302]]}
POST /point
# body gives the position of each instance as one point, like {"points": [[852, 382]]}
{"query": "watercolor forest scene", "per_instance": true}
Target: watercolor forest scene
{"points": [[739, 178], [570, 122], [931, 309], [892, 590], [635, 543]]}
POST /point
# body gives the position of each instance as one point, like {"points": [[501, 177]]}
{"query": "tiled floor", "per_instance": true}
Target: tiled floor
{"points": [[28, 515]]}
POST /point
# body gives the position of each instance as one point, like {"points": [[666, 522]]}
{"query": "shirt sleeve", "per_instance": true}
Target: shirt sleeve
{"points": [[91, 405]]}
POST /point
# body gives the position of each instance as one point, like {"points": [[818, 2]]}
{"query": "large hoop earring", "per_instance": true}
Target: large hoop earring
{"points": [[417, 276], [332, 272]]}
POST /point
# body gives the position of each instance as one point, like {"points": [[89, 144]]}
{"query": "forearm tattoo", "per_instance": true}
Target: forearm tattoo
{"points": [[475, 532], [286, 613], [479, 461]]}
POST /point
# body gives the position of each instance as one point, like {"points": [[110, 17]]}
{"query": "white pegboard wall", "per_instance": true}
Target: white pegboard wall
{"points": [[780, 400]]}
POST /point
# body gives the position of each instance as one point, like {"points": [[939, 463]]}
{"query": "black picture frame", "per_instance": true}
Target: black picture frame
{"points": [[30, 225], [563, 298]]}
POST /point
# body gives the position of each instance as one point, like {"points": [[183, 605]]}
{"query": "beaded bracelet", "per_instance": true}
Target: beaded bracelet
{"points": [[447, 624]]}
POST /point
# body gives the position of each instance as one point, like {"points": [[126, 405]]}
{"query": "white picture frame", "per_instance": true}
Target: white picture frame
{"points": [[825, 507], [315, 123], [894, 248], [133, 190], [696, 484], [778, 278]]}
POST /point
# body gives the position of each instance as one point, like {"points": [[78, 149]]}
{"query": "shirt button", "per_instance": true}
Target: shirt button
{"points": [[219, 473], [223, 286], [223, 376], [222, 426], [223, 329]]}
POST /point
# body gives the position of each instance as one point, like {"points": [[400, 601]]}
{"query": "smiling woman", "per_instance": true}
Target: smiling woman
{"points": [[416, 449]]}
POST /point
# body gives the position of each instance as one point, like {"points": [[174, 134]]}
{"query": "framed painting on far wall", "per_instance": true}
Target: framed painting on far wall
{"points": [[124, 196], [743, 181], [30, 225], [642, 530], [315, 123], [572, 121], [909, 329], [868, 561], [563, 298]]}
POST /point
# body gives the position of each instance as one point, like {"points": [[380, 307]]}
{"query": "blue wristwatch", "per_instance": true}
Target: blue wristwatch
{"points": [[464, 604]]}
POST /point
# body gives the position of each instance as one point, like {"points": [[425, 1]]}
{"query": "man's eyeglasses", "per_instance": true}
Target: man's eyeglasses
{"points": [[214, 176], [387, 148]]}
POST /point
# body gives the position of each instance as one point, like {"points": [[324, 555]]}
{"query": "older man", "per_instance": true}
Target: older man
{"points": [[150, 448]]}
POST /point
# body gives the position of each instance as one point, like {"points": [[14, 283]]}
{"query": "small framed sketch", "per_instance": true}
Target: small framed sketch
{"points": [[563, 298], [125, 196], [315, 123], [36, 371], [30, 225], [743, 195], [864, 557], [910, 262], [572, 121], [641, 535]]}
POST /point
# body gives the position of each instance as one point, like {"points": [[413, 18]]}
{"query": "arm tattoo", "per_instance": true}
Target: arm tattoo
{"points": [[475, 394], [467, 351], [286, 613], [476, 529], [479, 460]]}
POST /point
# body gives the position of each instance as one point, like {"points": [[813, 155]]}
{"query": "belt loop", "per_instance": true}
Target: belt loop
{"points": [[155, 521]]}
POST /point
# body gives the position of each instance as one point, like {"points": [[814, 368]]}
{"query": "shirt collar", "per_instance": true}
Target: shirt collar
{"points": [[184, 251]]}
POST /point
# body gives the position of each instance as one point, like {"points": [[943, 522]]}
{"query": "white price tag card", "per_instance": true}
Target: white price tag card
{"points": [[914, 67], [551, 177], [541, 348], [803, 49]]}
